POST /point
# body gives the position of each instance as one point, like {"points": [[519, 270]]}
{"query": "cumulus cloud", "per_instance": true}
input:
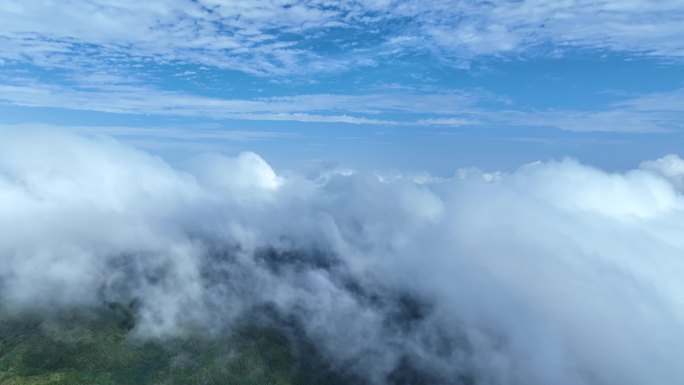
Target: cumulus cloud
{"points": [[556, 272]]}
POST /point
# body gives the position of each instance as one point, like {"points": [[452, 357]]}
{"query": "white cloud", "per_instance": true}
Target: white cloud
{"points": [[658, 112], [103, 46], [553, 273], [319, 108], [671, 167], [608, 119], [270, 37], [648, 113], [181, 134]]}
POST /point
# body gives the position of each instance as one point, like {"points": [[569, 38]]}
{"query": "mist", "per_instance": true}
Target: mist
{"points": [[555, 273]]}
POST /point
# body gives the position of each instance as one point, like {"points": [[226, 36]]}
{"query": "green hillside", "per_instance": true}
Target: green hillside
{"points": [[95, 347]]}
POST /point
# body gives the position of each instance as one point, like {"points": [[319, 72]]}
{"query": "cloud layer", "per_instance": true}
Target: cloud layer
{"points": [[555, 273], [363, 62], [277, 37]]}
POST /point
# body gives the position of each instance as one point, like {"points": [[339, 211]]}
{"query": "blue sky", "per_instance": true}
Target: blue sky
{"points": [[383, 84]]}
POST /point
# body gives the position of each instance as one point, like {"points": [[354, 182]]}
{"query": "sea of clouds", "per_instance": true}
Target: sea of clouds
{"points": [[555, 273]]}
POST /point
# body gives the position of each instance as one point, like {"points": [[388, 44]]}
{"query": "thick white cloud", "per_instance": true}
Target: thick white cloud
{"points": [[671, 167], [554, 273]]}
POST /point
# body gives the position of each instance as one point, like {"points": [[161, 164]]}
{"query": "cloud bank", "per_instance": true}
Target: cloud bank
{"points": [[556, 273]]}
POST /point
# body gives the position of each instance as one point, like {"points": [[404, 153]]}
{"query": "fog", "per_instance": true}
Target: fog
{"points": [[555, 273]]}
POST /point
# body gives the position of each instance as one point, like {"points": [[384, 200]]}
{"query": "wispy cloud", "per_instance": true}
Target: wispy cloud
{"points": [[104, 53], [655, 112], [188, 138], [218, 133], [288, 37], [320, 108]]}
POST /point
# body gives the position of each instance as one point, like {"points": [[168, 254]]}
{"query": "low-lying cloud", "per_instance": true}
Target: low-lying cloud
{"points": [[556, 273]]}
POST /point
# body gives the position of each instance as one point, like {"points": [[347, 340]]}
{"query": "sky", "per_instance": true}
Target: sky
{"points": [[381, 84], [555, 273], [488, 189]]}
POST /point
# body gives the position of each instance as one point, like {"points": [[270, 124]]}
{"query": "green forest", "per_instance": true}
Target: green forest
{"points": [[97, 347]]}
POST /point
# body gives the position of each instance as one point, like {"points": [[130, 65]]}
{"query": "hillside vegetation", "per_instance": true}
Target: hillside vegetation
{"points": [[95, 347]]}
